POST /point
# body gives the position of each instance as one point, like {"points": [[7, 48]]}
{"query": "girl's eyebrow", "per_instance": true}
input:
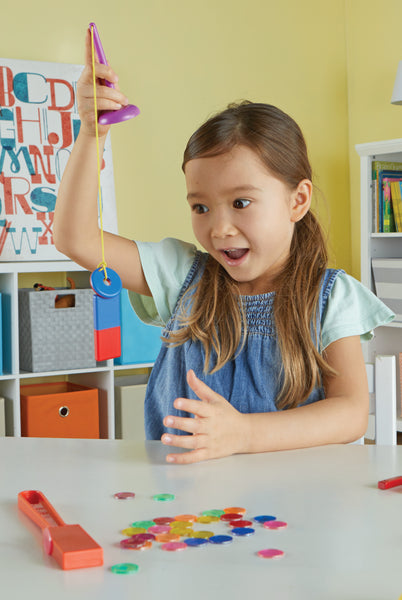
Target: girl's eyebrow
{"points": [[235, 190]]}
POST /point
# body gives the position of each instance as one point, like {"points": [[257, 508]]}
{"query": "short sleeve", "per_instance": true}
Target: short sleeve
{"points": [[165, 265], [352, 309]]}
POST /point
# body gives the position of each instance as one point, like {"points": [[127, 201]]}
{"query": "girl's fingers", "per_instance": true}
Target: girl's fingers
{"points": [[195, 407], [200, 388], [102, 94], [184, 424], [190, 442], [101, 71], [88, 49], [187, 458]]}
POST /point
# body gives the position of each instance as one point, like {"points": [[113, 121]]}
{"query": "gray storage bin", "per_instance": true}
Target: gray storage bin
{"points": [[55, 339]]}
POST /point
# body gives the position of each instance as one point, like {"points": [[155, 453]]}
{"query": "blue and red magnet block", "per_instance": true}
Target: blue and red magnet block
{"points": [[107, 317]]}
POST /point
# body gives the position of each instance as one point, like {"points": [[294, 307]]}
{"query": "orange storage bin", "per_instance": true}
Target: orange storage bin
{"points": [[59, 410]]}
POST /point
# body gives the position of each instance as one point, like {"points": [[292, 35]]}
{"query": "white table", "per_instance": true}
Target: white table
{"points": [[343, 540]]}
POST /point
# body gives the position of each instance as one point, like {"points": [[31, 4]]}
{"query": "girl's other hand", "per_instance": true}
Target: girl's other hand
{"points": [[217, 430], [106, 98]]}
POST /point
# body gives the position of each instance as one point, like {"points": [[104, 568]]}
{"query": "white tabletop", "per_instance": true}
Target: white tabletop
{"points": [[343, 540]]}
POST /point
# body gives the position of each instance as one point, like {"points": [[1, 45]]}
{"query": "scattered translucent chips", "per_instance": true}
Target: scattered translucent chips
{"points": [[164, 497], [243, 531], [207, 519], [174, 546], [264, 518], [143, 524], [195, 542], [240, 523], [275, 524], [124, 495], [271, 553], [187, 518], [129, 531], [185, 530], [231, 516], [156, 529], [124, 568], [168, 537], [221, 539], [235, 509], [212, 513], [163, 520], [202, 534]]}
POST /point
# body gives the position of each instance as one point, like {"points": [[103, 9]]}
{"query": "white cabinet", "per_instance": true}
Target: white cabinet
{"points": [[383, 350], [103, 376]]}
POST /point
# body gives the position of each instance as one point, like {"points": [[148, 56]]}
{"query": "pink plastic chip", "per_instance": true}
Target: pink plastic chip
{"points": [[124, 495], [271, 553], [156, 529], [275, 524], [174, 546], [133, 544]]}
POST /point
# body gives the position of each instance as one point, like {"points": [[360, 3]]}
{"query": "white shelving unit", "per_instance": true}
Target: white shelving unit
{"points": [[383, 350], [103, 376]]}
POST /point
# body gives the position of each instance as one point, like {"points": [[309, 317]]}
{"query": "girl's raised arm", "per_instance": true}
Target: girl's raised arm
{"points": [[76, 232]]}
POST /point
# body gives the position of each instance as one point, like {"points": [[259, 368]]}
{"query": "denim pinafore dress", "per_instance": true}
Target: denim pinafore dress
{"points": [[250, 381]]}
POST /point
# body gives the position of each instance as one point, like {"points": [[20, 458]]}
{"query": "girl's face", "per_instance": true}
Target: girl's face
{"points": [[243, 216]]}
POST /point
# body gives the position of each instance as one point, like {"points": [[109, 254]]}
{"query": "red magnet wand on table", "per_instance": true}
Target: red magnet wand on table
{"points": [[70, 545]]}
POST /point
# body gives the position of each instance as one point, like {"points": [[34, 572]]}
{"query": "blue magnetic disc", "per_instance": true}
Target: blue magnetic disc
{"points": [[239, 531], [264, 518], [106, 288], [196, 541], [220, 539]]}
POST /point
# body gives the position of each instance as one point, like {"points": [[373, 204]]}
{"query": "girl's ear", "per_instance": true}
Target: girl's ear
{"points": [[301, 200]]}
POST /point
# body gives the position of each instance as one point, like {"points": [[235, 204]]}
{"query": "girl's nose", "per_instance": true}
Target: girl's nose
{"points": [[222, 227]]}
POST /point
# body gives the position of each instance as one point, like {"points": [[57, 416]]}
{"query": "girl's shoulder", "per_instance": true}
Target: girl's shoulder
{"points": [[350, 309], [166, 265]]}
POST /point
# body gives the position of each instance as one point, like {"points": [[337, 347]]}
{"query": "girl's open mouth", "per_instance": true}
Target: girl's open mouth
{"points": [[234, 256]]}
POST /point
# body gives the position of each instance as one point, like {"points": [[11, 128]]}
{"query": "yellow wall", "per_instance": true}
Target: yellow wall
{"points": [[374, 35], [181, 60]]}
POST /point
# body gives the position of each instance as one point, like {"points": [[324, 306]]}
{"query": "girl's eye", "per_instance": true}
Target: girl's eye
{"points": [[241, 203], [199, 209]]}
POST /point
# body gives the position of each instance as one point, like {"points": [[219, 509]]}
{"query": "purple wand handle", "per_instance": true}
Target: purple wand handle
{"points": [[112, 116]]}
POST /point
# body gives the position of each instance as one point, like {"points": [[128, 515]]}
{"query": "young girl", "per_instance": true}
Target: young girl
{"points": [[261, 348]]}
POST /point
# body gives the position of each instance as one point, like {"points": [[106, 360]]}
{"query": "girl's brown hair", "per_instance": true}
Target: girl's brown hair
{"points": [[216, 317]]}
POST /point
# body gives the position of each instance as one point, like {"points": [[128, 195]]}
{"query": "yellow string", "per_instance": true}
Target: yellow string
{"points": [[103, 263]]}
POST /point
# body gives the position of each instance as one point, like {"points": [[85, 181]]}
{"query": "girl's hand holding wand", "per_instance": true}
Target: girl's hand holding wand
{"points": [[217, 430], [106, 98]]}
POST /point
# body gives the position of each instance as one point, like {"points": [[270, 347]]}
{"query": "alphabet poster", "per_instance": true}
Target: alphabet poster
{"points": [[39, 123]]}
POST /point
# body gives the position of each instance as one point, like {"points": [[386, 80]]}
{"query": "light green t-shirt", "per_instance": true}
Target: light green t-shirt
{"points": [[351, 308]]}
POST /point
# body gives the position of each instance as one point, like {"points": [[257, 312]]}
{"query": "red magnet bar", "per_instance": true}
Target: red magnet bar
{"points": [[386, 484], [70, 545]]}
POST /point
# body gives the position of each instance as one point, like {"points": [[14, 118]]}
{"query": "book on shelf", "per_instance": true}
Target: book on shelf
{"points": [[2, 417], [400, 381], [383, 219], [387, 274], [388, 221], [396, 202]]}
